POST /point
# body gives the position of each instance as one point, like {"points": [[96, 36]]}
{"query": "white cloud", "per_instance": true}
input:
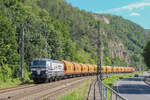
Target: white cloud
{"points": [[134, 14], [129, 7], [137, 5]]}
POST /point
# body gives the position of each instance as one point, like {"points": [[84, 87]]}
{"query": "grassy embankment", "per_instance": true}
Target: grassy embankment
{"points": [[10, 83], [114, 78], [79, 93], [111, 80], [13, 82]]}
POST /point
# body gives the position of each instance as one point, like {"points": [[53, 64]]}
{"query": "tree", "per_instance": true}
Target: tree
{"points": [[8, 46], [146, 54]]}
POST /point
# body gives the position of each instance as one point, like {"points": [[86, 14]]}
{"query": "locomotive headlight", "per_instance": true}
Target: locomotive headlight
{"points": [[46, 71]]}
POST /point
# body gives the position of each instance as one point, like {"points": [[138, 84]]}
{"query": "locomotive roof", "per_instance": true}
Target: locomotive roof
{"points": [[47, 59]]}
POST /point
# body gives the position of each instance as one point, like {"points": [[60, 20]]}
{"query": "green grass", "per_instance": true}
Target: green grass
{"points": [[139, 73], [111, 80], [12, 83], [79, 93]]}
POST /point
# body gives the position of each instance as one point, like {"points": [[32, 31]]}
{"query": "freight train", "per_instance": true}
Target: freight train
{"points": [[44, 69]]}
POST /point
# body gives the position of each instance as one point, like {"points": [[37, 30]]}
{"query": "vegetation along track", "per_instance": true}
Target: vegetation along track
{"points": [[43, 91]]}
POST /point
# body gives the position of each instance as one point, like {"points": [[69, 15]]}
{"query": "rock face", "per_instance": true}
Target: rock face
{"points": [[101, 17], [106, 20], [116, 48]]}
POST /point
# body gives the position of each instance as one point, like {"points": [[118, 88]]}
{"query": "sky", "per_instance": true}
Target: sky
{"points": [[138, 11]]}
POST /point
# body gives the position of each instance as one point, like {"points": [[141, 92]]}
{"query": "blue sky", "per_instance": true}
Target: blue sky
{"points": [[137, 11]]}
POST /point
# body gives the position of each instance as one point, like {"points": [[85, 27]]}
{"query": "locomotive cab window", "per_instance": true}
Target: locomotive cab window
{"points": [[40, 63]]}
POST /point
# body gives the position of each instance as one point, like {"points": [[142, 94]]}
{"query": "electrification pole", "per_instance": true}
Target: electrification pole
{"points": [[22, 53], [99, 53], [140, 66]]}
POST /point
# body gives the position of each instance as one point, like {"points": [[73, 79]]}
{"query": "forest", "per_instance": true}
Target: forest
{"points": [[54, 29]]}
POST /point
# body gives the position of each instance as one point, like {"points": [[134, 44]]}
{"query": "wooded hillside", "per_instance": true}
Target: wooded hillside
{"points": [[56, 30]]}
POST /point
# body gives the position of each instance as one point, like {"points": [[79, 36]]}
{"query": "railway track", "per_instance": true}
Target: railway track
{"points": [[15, 88], [41, 91], [53, 94]]}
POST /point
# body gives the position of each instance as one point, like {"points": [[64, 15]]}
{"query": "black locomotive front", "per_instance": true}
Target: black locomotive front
{"points": [[39, 70]]}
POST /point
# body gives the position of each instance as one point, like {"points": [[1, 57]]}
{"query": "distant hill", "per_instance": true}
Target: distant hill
{"points": [[147, 31], [123, 40]]}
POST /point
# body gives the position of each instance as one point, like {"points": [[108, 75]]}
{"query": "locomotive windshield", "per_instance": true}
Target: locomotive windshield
{"points": [[39, 63]]}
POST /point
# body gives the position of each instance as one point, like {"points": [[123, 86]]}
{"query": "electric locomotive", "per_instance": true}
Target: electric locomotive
{"points": [[44, 69]]}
